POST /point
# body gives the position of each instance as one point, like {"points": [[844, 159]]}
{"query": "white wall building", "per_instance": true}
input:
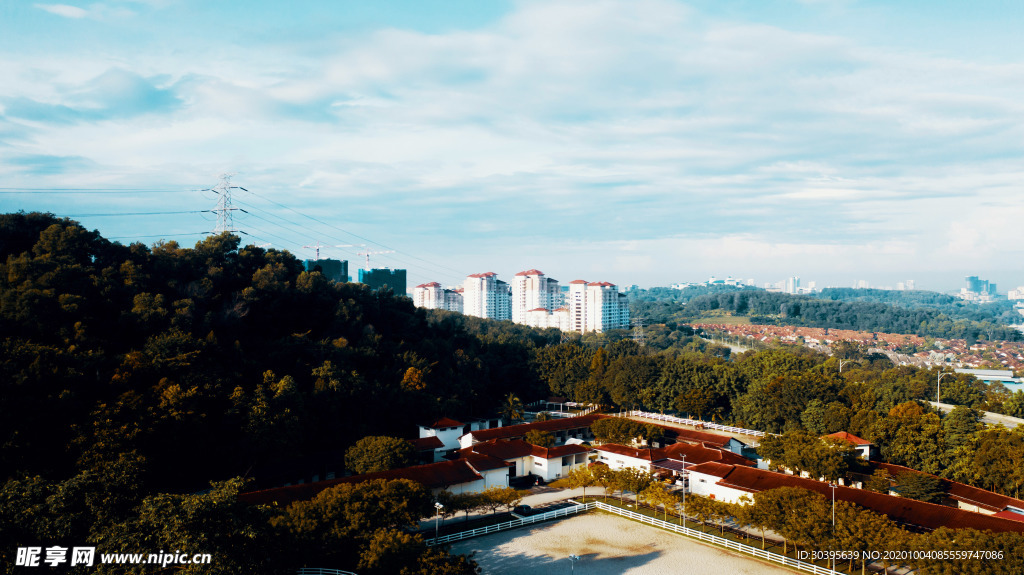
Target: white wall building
{"points": [[433, 296], [531, 290], [484, 295]]}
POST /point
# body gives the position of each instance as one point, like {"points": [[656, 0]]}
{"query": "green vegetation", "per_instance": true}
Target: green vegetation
{"points": [[379, 453], [918, 313]]}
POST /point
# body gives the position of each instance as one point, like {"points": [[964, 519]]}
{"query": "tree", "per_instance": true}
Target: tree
{"points": [[919, 486], [379, 453], [540, 438], [880, 481], [583, 477], [543, 416], [658, 495], [512, 409]]}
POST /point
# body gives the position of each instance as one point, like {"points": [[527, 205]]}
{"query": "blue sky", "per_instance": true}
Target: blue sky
{"points": [[640, 141]]}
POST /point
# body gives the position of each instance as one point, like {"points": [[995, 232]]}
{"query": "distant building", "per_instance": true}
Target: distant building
{"points": [[336, 270], [379, 278], [596, 306], [978, 290], [531, 290], [484, 295], [433, 296]]}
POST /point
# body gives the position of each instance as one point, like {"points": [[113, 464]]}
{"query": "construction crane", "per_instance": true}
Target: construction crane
{"points": [[318, 245], [368, 254]]}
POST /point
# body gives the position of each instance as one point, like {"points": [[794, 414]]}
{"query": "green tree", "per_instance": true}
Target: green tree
{"points": [[919, 486], [880, 481], [512, 409], [379, 453], [540, 438], [583, 477]]}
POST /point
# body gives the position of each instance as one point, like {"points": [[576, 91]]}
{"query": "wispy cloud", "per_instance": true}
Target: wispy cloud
{"points": [[587, 122], [65, 10]]}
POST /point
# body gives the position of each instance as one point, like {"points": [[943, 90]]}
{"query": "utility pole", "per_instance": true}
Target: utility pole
{"points": [[638, 332], [224, 209]]}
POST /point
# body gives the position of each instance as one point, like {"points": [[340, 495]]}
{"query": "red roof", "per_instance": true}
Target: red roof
{"points": [[431, 284], [696, 454], [694, 436], [578, 282], [516, 448], [519, 431], [445, 422], [601, 284], [645, 454], [540, 309], [713, 468], [1011, 515], [483, 275], [849, 437], [531, 273], [960, 491], [431, 475], [426, 443], [899, 509]]}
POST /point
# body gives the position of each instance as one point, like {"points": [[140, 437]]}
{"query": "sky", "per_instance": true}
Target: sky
{"points": [[640, 142]]}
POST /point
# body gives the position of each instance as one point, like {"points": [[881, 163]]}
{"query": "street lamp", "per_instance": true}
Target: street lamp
{"points": [[437, 520], [685, 481], [572, 560], [938, 386], [833, 486]]}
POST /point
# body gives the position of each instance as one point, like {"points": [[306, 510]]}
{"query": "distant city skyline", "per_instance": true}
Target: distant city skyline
{"points": [[645, 142]]}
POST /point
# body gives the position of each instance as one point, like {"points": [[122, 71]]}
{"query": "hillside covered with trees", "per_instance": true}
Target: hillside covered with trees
{"points": [[919, 313]]}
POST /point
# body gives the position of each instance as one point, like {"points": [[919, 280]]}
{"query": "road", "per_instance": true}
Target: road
{"points": [[986, 416]]}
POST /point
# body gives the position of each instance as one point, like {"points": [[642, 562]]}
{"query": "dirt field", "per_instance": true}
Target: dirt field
{"points": [[607, 545]]}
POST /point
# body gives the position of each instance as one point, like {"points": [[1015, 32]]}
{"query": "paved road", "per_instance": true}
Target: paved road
{"points": [[986, 416]]}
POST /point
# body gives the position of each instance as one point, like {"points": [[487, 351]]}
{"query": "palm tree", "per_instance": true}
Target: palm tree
{"points": [[512, 409]]}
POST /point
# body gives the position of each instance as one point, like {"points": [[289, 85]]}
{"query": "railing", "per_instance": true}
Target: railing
{"points": [[321, 571], [696, 423], [564, 512], [582, 507], [735, 546]]}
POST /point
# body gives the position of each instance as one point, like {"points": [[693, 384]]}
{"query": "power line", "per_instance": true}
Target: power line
{"points": [[135, 214], [355, 235], [88, 190], [158, 235]]}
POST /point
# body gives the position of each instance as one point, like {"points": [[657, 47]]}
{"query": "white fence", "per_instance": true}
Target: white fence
{"points": [[695, 533], [563, 512], [695, 423], [734, 545]]}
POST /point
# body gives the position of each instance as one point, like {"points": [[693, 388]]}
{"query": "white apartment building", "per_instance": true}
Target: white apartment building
{"points": [[433, 296], [544, 318], [484, 295], [596, 306], [531, 290]]}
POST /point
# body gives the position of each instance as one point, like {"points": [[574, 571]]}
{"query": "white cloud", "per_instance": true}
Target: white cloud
{"points": [[64, 10]]}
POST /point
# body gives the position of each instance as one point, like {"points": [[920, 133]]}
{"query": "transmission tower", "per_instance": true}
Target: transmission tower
{"points": [[638, 332], [224, 209]]}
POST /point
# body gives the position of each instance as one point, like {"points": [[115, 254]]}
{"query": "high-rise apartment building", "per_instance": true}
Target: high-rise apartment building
{"points": [[336, 270], [484, 295], [379, 278], [433, 296], [531, 290], [596, 306]]}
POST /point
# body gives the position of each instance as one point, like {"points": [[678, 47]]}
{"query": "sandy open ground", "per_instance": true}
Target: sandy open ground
{"points": [[608, 545]]}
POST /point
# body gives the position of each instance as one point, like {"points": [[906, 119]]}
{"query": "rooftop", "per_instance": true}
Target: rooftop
{"points": [[552, 425]]}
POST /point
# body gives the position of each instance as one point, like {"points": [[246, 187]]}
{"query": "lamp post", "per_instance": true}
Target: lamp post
{"points": [[686, 479], [572, 560], [938, 386], [841, 363], [833, 486], [437, 520]]}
